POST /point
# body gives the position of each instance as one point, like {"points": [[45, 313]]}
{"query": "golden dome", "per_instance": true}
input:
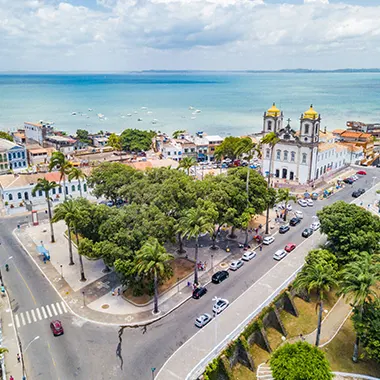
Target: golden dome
{"points": [[311, 113], [273, 111]]}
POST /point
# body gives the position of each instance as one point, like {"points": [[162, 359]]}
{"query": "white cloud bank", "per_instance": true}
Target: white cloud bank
{"points": [[186, 34]]}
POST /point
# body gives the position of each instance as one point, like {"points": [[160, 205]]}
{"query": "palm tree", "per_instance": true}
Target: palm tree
{"points": [[178, 133], [187, 163], [283, 195], [45, 186], [358, 281], [194, 223], [319, 278], [151, 259], [270, 139], [245, 218], [72, 215], [77, 174], [3, 350]]}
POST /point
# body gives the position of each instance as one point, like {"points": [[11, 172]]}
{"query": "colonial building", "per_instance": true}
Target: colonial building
{"points": [[12, 157]]}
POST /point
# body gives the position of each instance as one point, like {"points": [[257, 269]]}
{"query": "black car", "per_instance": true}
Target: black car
{"points": [[199, 292], [358, 193], [294, 221], [307, 232], [284, 228], [220, 276], [348, 180]]}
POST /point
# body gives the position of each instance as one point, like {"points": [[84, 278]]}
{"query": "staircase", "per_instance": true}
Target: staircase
{"points": [[264, 372]]}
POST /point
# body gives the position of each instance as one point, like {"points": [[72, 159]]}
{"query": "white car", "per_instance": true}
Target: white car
{"points": [[282, 206], [248, 255], [355, 177], [280, 254], [220, 305], [310, 202], [315, 225], [298, 214], [268, 240], [302, 202], [236, 264], [202, 320]]}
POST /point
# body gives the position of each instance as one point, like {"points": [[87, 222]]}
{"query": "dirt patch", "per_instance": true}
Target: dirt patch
{"points": [[240, 372]]}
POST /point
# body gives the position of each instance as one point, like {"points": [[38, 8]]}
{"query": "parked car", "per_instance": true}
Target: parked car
{"points": [[307, 232], [294, 221], [220, 276], [280, 254], [310, 202], [302, 202], [358, 193], [361, 172], [289, 247], [268, 240], [298, 214], [282, 206], [355, 177], [199, 292], [202, 320], [284, 228], [220, 305], [56, 328], [248, 255], [350, 181], [236, 264], [315, 225]]}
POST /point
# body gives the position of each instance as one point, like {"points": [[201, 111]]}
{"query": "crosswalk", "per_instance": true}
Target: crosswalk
{"points": [[40, 313]]}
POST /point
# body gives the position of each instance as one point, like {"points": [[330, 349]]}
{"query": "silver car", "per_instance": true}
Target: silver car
{"points": [[202, 320], [268, 240], [236, 264], [279, 255], [248, 255], [220, 305]]}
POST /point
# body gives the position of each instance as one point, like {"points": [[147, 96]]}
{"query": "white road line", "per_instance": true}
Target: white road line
{"points": [[17, 321], [59, 308], [63, 306], [39, 314], [43, 312], [22, 319], [48, 310], [34, 316], [54, 310], [28, 317]]}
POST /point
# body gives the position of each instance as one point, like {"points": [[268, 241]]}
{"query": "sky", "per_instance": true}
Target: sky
{"points": [[128, 35]]}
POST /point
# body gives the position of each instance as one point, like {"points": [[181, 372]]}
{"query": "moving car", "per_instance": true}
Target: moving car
{"points": [[355, 177], [248, 255], [56, 328], [302, 202], [220, 276], [284, 228], [307, 232], [358, 193], [268, 240], [202, 320], [294, 221], [199, 292], [361, 172], [282, 206], [220, 305], [298, 214], [280, 254], [236, 264], [350, 181], [310, 202], [289, 247], [315, 225]]}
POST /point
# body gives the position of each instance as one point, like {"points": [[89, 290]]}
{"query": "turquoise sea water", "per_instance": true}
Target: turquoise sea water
{"points": [[230, 103]]}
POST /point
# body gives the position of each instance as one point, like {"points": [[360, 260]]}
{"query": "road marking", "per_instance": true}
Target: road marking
{"points": [[48, 310], [27, 286], [58, 308], [44, 312], [22, 319], [28, 317], [63, 306], [17, 322], [39, 314], [33, 316], [54, 310]]}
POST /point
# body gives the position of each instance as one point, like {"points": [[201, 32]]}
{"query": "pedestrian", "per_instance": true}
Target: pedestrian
{"points": [[18, 358], [118, 291], [11, 378], [261, 248], [301, 337]]}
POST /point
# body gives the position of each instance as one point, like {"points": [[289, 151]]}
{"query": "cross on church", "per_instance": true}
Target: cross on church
{"points": [[289, 120]]}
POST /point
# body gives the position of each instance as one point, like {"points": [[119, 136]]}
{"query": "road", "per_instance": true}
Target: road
{"points": [[89, 351]]}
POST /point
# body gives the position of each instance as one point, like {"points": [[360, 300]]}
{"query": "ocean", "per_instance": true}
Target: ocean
{"points": [[230, 103]]}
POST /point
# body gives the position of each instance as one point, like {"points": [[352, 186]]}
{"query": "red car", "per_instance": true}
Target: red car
{"points": [[361, 172], [56, 328], [289, 247]]}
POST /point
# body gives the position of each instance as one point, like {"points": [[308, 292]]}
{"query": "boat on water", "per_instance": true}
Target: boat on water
{"points": [[196, 111], [154, 121], [90, 109], [100, 116], [135, 112], [149, 112], [73, 113], [144, 108], [129, 114], [139, 119], [191, 108], [193, 117]]}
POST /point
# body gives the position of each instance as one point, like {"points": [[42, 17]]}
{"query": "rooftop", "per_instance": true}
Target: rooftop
{"points": [[213, 138], [6, 144], [60, 139]]}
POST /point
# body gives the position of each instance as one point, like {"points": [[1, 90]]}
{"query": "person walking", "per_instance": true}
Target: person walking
{"points": [[18, 358], [261, 248]]}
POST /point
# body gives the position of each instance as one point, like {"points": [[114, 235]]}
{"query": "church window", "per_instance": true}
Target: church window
{"points": [[285, 155], [278, 154], [269, 125], [267, 153], [292, 156], [305, 139], [306, 129], [304, 156], [316, 128], [10, 197]]}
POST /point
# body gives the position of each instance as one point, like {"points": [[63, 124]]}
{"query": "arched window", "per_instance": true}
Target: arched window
{"points": [[278, 154], [292, 156], [78, 187], [84, 187], [72, 188], [269, 125], [316, 128], [18, 154], [306, 129], [267, 153], [286, 154], [304, 158], [19, 195], [10, 197], [54, 191]]}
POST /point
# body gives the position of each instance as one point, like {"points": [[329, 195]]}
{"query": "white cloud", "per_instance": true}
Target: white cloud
{"points": [[197, 34]]}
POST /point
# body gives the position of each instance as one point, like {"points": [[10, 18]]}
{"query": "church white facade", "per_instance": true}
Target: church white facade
{"points": [[299, 155]]}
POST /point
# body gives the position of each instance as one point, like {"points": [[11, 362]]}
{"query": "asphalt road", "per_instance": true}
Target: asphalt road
{"points": [[90, 351]]}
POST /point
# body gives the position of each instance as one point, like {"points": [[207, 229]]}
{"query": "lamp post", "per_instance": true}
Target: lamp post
{"points": [[22, 354], [84, 300], [216, 299], [212, 263], [61, 270]]}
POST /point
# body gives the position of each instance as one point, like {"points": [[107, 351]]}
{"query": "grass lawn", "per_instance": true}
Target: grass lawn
{"points": [[181, 269], [241, 372], [339, 353], [259, 355], [274, 338]]}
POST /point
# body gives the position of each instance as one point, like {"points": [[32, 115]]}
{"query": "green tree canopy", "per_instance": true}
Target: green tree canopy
{"points": [[6, 136], [82, 136], [323, 257], [300, 361], [115, 142], [228, 148], [136, 140]]}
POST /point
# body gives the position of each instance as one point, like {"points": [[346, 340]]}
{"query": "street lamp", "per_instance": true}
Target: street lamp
{"points": [[22, 354], [216, 299]]}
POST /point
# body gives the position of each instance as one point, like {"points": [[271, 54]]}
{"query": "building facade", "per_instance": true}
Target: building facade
{"points": [[37, 131], [13, 157]]}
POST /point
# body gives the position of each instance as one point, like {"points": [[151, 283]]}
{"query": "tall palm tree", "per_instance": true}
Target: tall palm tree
{"points": [[151, 259], [194, 223], [76, 173], [178, 133], [187, 163], [3, 350], [46, 186], [319, 278], [358, 281], [270, 139], [245, 218], [283, 195]]}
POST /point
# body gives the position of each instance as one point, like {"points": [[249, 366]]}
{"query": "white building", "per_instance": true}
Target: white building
{"points": [[37, 131], [12, 157], [99, 141], [171, 149], [63, 144]]}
